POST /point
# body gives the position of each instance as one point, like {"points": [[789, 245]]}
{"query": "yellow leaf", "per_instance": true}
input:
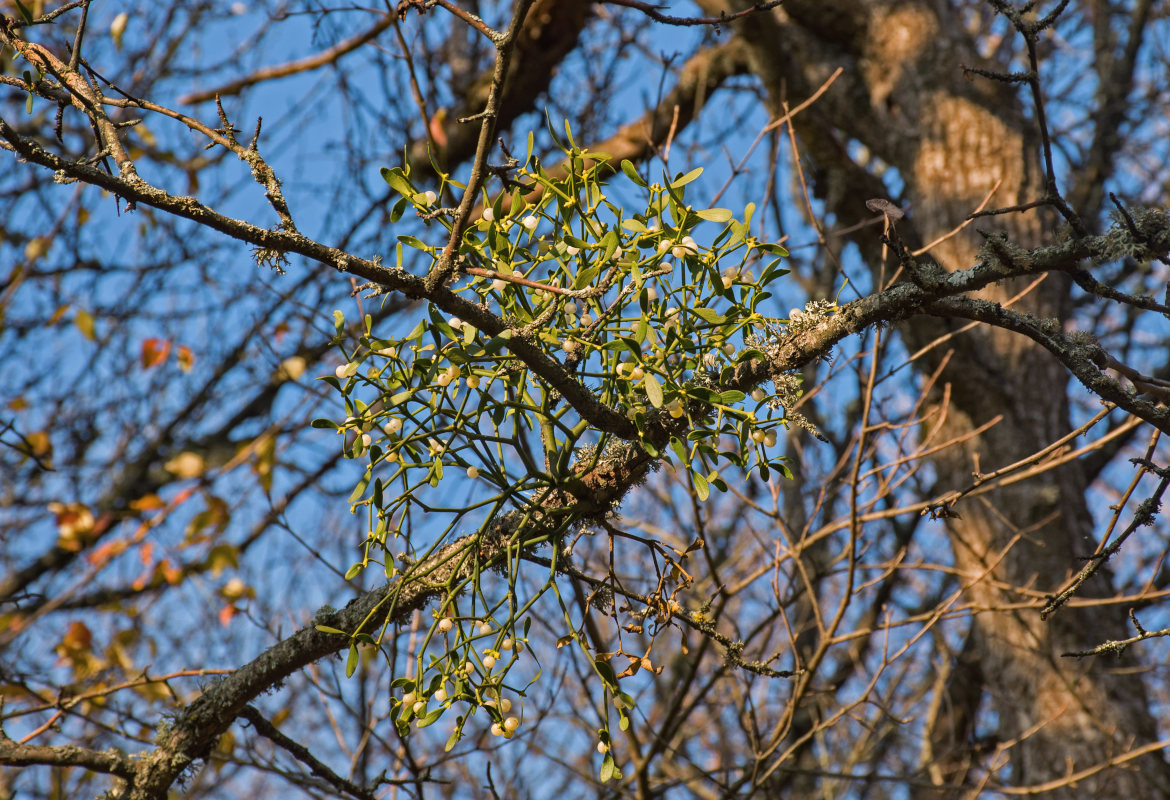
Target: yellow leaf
{"points": [[186, 358], [216, 516], [41, 444], [264, 460], [14, 623], [291, 368], [118, 27], [36, 248], [236, 589], [155, 691], [221, 557], [149, 502], [146, 134], [186, 465], [225, 747], [84, 322]]}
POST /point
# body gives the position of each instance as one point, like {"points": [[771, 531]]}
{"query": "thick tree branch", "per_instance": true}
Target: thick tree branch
{"points": [[1081, 355], [276, 243], [444, 266], [15, 754]]}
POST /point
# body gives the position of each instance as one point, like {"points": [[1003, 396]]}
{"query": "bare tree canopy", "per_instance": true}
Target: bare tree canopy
{"points": [[584, 399]]}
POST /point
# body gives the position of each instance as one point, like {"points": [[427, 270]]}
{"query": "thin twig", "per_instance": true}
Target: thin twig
{"points": [[653, 13], [786, 117], [302, 754], [962, 224], [292, 67], [670, 136], [444, 265], [1144, 515], [471, 19]]}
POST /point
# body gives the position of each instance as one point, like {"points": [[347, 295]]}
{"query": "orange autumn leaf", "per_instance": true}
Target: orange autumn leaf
{"points": [[437, 128], [226, 613], [148, 502], [58, 314], [155, 352], [103, 553], [183, 496], [75, 522], [171, 573], [163, 569], [77, 638], [14, 623]]}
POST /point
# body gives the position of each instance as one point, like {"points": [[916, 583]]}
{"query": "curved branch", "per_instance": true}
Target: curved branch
{"points": [[444, 266], [1081, 355], [14, 754], [302, 754], [275, 243], [292, 67]]}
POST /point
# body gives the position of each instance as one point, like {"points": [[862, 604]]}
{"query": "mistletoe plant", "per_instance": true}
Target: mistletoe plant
{"points": [[603, 345]]}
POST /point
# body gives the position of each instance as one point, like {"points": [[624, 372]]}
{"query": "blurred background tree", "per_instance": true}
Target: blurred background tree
{"points": [[886, 623]]}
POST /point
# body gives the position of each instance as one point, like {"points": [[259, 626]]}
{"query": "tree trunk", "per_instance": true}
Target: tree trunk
{"points": [[952, 139]]}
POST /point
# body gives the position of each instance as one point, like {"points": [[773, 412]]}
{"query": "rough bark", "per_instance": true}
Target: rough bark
{"points": [[952, 140]]}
